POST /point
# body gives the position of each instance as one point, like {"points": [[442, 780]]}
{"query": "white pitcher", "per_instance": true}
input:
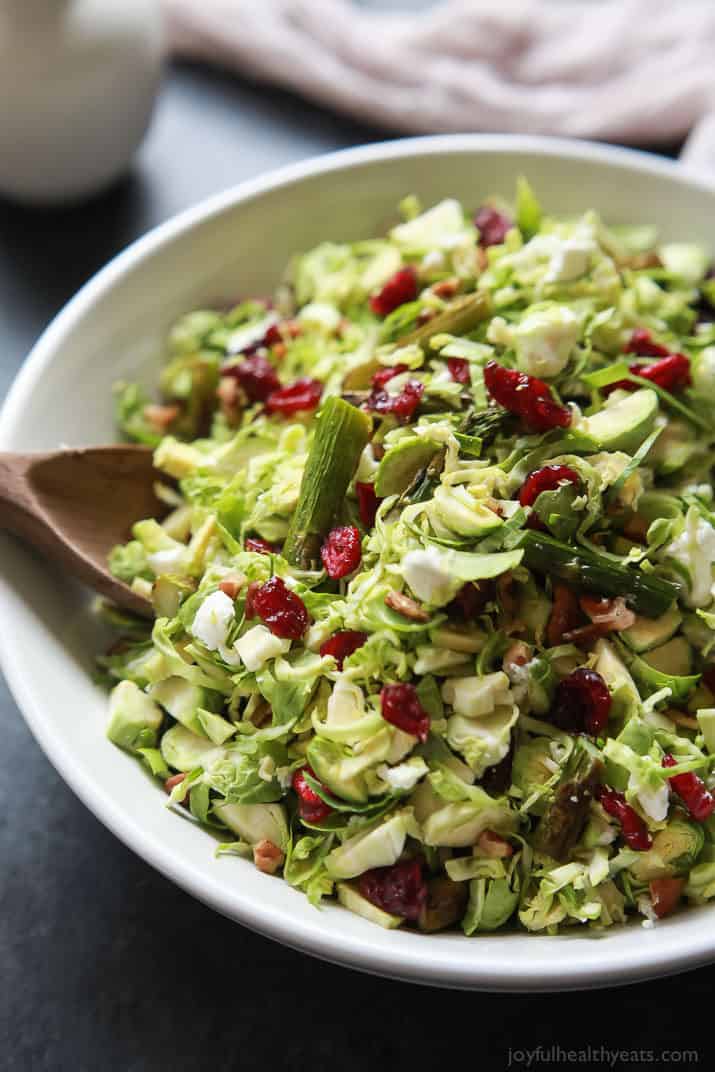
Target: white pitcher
{"points": [[78, 79]]}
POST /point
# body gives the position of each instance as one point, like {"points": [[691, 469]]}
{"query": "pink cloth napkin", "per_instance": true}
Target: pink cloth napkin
{"points": [[629, 70]]}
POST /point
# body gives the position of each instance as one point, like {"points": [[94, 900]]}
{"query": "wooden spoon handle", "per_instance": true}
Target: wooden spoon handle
{"points": [[20, 513], [32, 486]]}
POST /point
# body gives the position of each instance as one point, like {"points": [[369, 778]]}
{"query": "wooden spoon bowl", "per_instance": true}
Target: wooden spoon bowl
{"points": [[74, 506]]}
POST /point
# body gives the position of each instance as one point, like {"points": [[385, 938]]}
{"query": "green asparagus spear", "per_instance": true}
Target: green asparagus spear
{"points": [[560, 827], [459, 318], [341, 435], [646, 593], [486, 424]]}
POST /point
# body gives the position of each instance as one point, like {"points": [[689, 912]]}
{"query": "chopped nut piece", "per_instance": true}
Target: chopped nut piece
{"points": [[406, 607], [230, 397], [648, 259], [681, 719], [506, 593], [232, 585], [636, 529], [564, 616], [267, 857], [161, 416], [446, 288], [608, 612], [494, 846], [607, 616], [517, 654]]}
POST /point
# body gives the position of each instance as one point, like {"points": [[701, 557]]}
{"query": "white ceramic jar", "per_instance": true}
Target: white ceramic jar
{"points": [[78, 79]]}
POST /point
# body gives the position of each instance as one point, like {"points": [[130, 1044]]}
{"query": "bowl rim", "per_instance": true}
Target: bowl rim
{"points": [[672, 952]]}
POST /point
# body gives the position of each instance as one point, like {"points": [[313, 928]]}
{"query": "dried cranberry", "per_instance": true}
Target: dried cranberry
{"points": [[342, 644], [670, 373], [399, 288], [400, 889], [705, 311], [256, 376], [565, 614], [382, 375], [250, 610], [497, 778], [273, 335], [311, 807], [526, 396], [341, 552], [471, 600], [402, 405], [641, 343], [459, 369], [709, 678], [282, 610], [368, 503], [692, 790], [402, 708], [279, 332], [635, 832], [303, 394], [493, 226], [262, 547], [171, 783], [582, 702], [548, 478], [665, 894]]}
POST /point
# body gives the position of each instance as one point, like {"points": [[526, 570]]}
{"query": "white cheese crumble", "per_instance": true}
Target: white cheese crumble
{"points": [[442, 226], [645, 907], [694, 549], [211, 624], [518, 675], [170, 560], [654, 802], [426, 572], [284, 776], [571, 258], [433, 261], [565, 259], [544, 340], [320, 315], [259, 645], [404, 777]]}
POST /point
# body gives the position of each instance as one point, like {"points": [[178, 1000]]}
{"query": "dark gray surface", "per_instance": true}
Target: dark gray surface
{"points": [[106, 965]]}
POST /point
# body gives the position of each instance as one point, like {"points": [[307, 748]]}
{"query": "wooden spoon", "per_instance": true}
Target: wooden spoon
{"points": [[75, 505]]}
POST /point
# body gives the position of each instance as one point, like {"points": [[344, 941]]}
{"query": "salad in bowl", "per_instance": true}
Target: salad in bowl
{"points": [[435, 611]]}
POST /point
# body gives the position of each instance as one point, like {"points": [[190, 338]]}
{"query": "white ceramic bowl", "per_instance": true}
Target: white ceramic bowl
{"points": [[238, 243]]}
